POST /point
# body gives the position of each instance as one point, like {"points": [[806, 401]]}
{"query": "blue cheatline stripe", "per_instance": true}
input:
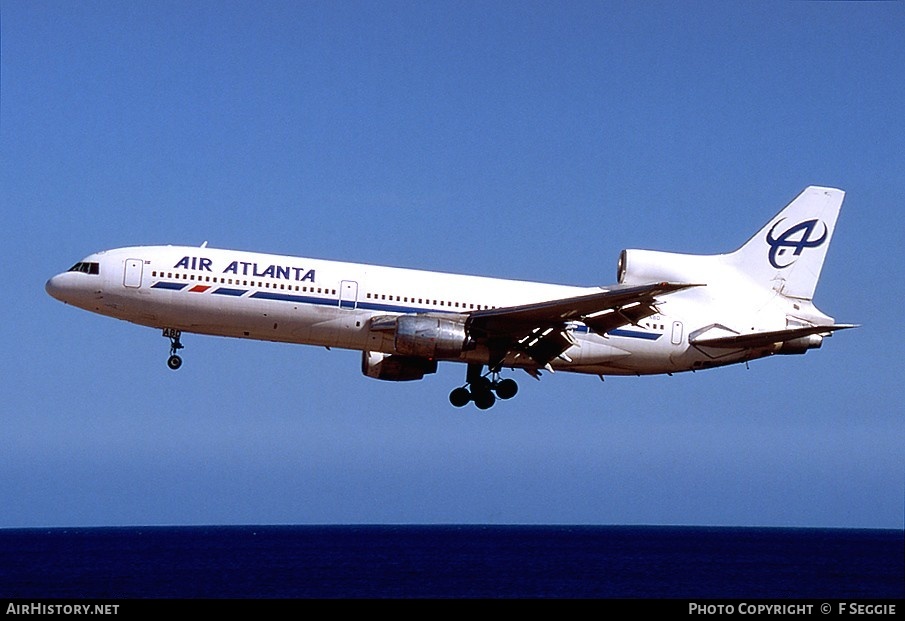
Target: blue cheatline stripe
{"points": [[285, 297], [390, 308], [228, 291], [634, 334], [176, 286], [385, 308]]}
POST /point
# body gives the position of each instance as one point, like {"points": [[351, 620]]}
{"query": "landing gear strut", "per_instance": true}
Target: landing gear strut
{"points": [[174, 361], [481, 388]]}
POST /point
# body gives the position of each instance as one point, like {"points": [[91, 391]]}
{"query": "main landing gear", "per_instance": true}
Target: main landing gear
{"points": [[480, 388], [174, 361]]}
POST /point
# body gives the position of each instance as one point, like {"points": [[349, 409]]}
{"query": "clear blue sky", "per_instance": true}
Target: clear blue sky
{"points": [[528, 140]]}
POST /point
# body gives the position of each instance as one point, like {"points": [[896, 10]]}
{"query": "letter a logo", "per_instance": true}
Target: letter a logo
{"points": [[797, 237]]}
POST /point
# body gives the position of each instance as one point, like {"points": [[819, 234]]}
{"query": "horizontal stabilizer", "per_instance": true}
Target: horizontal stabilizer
{"points": [[765, 339]]}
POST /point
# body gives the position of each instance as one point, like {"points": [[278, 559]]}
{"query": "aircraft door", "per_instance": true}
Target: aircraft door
{"points": [[348, 294], [132, 273], [677, 333]]}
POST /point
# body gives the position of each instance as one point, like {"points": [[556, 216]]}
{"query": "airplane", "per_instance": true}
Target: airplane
{"points": [[667, 313]]}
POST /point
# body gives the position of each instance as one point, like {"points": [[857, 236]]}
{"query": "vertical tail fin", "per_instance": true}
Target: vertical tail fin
{"points": [[788, 253]]}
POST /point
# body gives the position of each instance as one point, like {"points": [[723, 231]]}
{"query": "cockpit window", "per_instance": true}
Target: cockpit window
{"points": [[85, 267]]}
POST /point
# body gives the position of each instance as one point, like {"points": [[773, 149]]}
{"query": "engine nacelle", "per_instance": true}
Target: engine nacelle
{"points": [[801, 345], [393, 368], [640, 267], [429, 337], [636, 267]]}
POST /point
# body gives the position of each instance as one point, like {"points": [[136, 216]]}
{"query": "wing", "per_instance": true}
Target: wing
{"points": [[540, 330]]}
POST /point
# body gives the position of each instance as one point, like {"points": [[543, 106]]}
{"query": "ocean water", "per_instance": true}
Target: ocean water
{"points": [[263, 562]]}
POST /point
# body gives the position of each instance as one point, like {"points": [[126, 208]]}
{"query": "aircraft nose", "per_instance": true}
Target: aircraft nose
{"points": [[54, 287], [65, 288]]}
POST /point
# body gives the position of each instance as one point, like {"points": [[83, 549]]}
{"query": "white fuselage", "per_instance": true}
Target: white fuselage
{"points": [[669, 312], [328, 303]]}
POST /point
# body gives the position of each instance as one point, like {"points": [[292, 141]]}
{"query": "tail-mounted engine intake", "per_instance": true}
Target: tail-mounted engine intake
{"points": [[638, 267]]}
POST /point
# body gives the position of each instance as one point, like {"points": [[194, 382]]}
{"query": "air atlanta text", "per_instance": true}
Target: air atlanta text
{"points": [[248, 268]]}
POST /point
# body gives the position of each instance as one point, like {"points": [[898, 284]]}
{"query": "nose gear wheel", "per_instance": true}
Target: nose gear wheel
{"points": [[174, 361]]}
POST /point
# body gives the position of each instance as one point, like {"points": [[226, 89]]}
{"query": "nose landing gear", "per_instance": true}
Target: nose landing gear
{"points": [[174, 361], [481, 389]]}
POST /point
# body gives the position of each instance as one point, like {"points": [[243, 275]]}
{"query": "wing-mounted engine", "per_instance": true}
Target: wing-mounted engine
{"points": [[417, 342], [430, 336], [420, 335], [394, 368], [801, 344]]}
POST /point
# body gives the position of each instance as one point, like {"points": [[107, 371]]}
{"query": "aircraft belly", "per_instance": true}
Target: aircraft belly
{"points": [[621, 353], [594, 350], [640, 352]]}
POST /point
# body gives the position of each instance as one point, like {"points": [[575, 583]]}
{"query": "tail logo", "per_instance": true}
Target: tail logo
{"points": [[801, 233]]}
